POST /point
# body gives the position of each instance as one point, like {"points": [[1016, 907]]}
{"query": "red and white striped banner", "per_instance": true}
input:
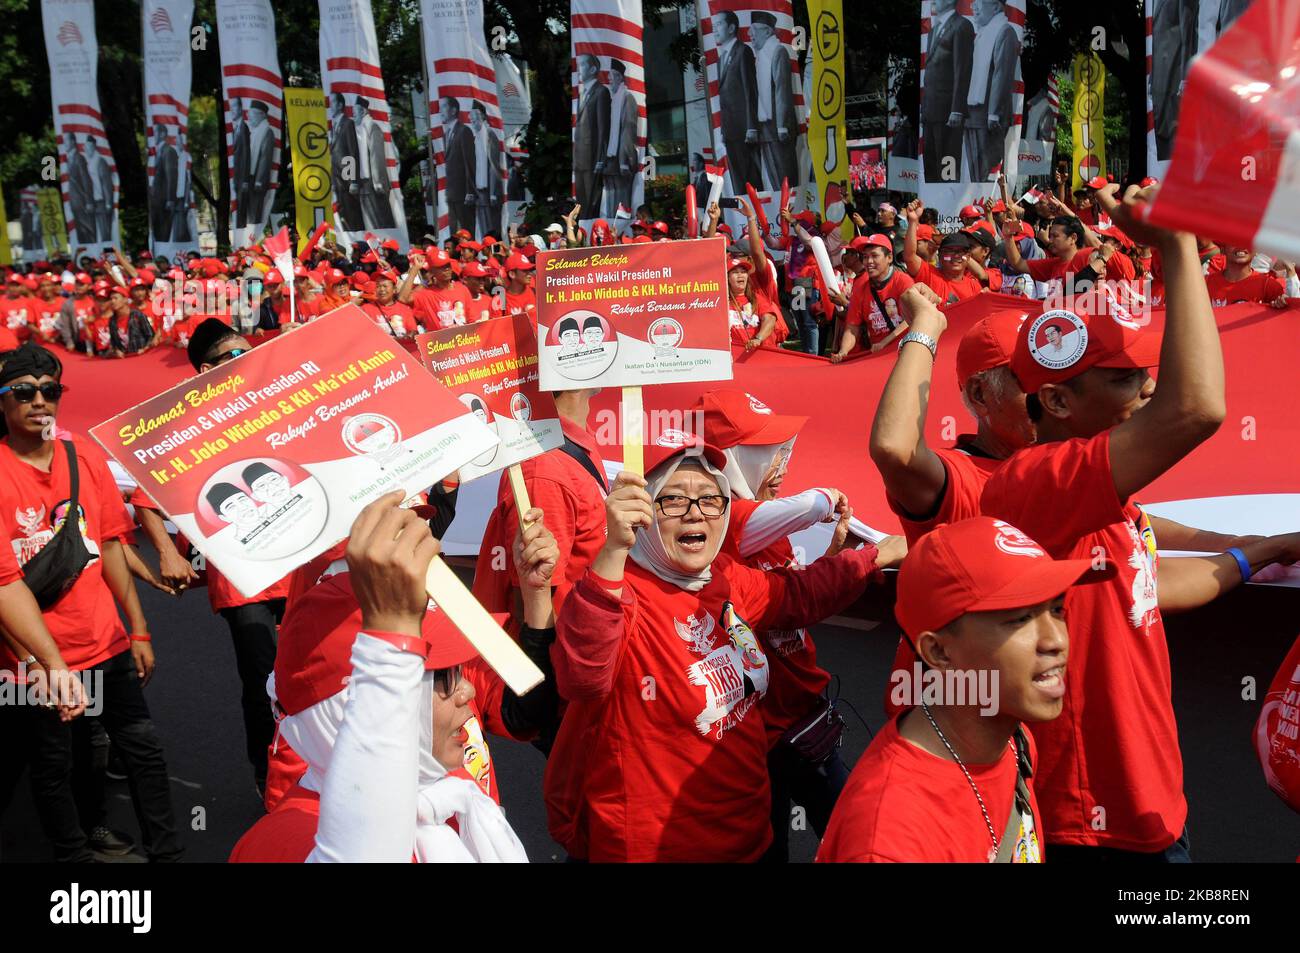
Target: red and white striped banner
{"points": [[756, 100], [87, 174], [1242, 188], [252, 94], [367, 193], [165, 49], [466, 134], [970, 68], [609, 117]]}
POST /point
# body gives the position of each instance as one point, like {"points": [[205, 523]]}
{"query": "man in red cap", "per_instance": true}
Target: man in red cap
{"points": [[970, 215], [481, 305], [1111, 770], [659, 231], [17, 308], [951, 281], [949, 779], [46, 306], [519, 296], [874, 319], [389, 313], [274, 309], [1238, 282], [444, 301]]}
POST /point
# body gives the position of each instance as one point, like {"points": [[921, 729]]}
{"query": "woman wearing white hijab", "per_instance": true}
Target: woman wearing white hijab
{"points": [[660, 756], [371, 684], [803, 728]]}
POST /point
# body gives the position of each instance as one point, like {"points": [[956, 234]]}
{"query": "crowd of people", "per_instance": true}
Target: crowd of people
{"points": [[683, 712]]}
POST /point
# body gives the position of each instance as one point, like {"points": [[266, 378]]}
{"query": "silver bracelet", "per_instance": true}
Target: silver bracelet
{"points": [[920, 338]]}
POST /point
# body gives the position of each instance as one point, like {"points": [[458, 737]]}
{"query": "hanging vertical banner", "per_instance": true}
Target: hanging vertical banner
{"points": [[33, 228], [755, 96], [304, 111], [971, 99], [609, 118], [826, 125], [165, 50], [53, 230], [1177, 30], [252, 103], [1089, 119], [901, 129], [367, 194], [695, 95], [87, 173], [464, 117], [516, 114], [1038, 130]]}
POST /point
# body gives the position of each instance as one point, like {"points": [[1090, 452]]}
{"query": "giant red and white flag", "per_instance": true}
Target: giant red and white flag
{"points": [[609, 118], [367, 193], [87, 174], [253, 109], [467, 137], [165, 27], [1242, 189]]}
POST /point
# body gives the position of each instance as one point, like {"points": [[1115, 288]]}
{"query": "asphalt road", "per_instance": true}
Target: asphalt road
{"points": [[194, 698]]}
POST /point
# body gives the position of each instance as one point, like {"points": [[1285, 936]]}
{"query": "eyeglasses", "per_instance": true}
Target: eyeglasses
{"points": [[446, 680], [710, 506], [25, 393], [230, 355]]}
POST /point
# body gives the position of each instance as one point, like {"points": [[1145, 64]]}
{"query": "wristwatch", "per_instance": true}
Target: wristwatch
{"points": [[920, 338]]}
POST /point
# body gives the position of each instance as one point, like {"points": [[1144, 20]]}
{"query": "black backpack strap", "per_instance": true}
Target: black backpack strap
{"points": [[1021, 803], [73, 479], [584, 458]]}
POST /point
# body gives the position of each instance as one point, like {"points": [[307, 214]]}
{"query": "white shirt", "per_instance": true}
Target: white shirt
{"points": [[763, 59], [616, 107]]}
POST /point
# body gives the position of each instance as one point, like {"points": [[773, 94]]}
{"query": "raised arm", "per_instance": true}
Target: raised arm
{"points": [[913, 474], [1188, 406], [912, 261]]}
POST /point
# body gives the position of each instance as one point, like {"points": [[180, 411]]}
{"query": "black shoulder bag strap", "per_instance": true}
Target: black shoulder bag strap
{"points": [[584, 458], [881, 305], [1020, 804]]}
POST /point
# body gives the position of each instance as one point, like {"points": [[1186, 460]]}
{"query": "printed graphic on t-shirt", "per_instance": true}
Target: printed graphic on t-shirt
{"points": [[1142, 609], [1026, 850], [734, 675], [31, 519]]}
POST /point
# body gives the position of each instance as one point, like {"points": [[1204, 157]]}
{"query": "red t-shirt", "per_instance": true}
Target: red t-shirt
{"points": [[1111, 773], [98, 334], [44, 318], [967, 286], [8, 340], [180, 332], [966, 476], [574, 504], [84, 623], [523, 303], [863, 310], [745, 317], [797, 681], [18, 315], [1047, 269], [441, 307], [395, 318], [661, 756], [1256, 286], [480, 308], [84, 311], [903, 804]]}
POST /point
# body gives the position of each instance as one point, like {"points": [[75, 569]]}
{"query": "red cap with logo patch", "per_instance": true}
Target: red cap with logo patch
{"points": [[670, 443], [313, 658], [980, 565], [733, 417], [1058, 345], [519, 263], [971, 211], [988, 343]]}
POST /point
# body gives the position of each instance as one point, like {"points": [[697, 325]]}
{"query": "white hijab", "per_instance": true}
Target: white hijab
{"points": [[484, 835], [648, 551], [747, 465]]}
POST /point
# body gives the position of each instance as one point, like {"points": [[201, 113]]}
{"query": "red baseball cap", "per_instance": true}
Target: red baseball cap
{"points": [[519, 263], [734, 263], [359, 280], [313, 658], [273, 278], [1149, 181], [725, 229], [472, 246], [463, 233], [389, 243], [473, 270], [998, 206], [878, 240], [988, 343], [1083, 341], [83, 278], [1098, 182], [971, 211], [924, 233], [978, 565], [661, 227], [439, 259], [138, 283], [670, 443], [734, 417], [333, 276]]}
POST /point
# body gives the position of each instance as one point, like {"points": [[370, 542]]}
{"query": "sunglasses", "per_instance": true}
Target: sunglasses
{"points": [[25, 393], [446, 680], [230, 355]]}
